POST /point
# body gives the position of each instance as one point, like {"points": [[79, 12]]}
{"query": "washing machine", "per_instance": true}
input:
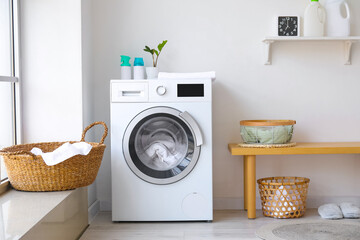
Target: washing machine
{"points": [[161, 150]]}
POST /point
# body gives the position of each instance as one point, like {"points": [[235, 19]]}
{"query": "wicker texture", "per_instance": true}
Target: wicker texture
{"points": [[267, 122], [253, 145], [28, 172], [267, 132], [283, 197]]}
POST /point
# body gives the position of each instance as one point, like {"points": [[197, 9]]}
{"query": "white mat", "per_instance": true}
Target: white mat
{"points": [[310, 230]]}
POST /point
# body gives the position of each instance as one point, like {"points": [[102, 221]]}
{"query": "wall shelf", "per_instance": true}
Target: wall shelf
{"points": [[347, 41]]}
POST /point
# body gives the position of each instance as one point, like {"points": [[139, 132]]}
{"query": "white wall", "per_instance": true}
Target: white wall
{"points": [[307, 82], [51, 74], [56, 74], [88, 90]]}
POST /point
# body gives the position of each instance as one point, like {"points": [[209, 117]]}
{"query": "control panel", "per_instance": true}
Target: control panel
{"points": [[167, 90]]}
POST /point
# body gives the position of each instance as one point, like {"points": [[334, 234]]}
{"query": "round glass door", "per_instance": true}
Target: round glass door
{"points": [[159, 146]]}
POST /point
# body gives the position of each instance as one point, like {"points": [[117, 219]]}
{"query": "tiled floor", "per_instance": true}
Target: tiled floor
{"points": [[227, 224]]}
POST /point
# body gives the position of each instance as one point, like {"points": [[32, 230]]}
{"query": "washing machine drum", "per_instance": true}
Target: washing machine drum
{"points": [[161, 145]]}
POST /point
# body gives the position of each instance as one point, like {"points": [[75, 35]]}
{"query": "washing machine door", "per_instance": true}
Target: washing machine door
{"points": [[162, 145]]}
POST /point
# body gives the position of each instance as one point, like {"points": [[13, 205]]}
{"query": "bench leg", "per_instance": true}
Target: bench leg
{"points": [[250, 185], [245, 183]]}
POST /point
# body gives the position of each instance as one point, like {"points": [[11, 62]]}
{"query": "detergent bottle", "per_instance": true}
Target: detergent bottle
{"points": [[314, 20], [139, 69], [337, 25], [125, 70]]}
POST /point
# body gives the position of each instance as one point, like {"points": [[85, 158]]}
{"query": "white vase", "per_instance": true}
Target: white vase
{"points": [[152, 72]]}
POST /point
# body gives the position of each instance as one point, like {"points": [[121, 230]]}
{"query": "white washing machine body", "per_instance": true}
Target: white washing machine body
{"points": [[161, 150]]}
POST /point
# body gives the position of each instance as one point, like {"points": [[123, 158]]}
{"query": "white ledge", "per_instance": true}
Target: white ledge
{"points": [[352, 38], [21, 212], [347, 41]]}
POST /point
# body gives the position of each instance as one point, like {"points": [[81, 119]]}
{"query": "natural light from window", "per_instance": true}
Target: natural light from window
{"points": [[6, 119], [7, 79]]}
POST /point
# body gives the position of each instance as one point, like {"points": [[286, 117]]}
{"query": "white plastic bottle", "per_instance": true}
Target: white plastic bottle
{"points": [[314, 20], [337, 25], [139, 69], [125, 67]]}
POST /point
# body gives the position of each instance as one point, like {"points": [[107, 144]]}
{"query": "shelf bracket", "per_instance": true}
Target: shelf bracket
{"points": [[347, 51], [267, 52]]}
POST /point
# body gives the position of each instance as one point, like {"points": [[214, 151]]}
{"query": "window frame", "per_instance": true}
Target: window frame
{"points": [[14, 78]]}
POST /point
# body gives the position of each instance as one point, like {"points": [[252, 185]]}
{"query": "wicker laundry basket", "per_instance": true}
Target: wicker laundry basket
{"points": [[28, 172], [283, 197]]}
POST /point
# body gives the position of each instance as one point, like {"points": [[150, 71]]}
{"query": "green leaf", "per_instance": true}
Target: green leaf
{"points": [[161, 45], [147, 49], [157, 53]]}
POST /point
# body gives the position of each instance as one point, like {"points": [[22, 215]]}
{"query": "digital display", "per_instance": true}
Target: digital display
{"points": [[190, 90]]}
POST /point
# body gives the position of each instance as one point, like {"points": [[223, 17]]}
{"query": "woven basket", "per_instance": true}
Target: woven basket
{"points": [[283, 197], [28, 172], [267, 131]]}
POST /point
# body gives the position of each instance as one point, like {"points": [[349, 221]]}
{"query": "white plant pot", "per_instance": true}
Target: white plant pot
{"points": [[152, 72]]}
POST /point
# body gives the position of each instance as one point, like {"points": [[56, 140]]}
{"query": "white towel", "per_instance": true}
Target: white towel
{"points": [[65, 151], [350, 210], [196, 75], [161, 155], [330, 211]]}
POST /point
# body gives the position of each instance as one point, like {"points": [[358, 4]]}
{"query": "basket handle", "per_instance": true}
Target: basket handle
{"points": [[18, 153], [90, 126]]}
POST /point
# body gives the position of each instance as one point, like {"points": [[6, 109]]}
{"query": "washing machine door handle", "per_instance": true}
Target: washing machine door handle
{"points": [[194, 126]]}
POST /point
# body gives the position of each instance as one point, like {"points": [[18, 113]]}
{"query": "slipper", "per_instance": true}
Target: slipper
{"points": [[350, 210], [330, 211]]}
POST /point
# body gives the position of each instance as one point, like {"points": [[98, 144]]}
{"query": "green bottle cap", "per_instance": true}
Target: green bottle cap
{"points": [[125, 61]]}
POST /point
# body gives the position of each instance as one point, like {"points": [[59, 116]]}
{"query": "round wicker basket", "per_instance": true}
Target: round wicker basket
{"points": [[267, 122], [267, 132], [283, 197], [28, 172]]}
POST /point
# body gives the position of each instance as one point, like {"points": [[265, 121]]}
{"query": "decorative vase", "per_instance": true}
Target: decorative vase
{"points": [[152, 72]]}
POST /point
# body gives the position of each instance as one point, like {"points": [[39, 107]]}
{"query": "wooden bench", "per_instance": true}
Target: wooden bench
{"points": [[249, 156]]}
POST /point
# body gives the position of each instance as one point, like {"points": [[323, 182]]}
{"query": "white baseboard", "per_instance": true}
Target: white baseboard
{"points": [[105, 206], [317, 201], [238, 203], [93, 210], [312, 202], [228, 203]]}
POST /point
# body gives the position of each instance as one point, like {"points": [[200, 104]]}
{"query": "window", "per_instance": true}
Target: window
{"points": [[9, 72]]}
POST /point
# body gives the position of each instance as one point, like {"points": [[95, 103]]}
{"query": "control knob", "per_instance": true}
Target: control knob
{"points": [[161, 90]]}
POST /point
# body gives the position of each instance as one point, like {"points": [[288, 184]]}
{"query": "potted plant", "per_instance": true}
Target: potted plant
{"points": [[152, 72]]}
